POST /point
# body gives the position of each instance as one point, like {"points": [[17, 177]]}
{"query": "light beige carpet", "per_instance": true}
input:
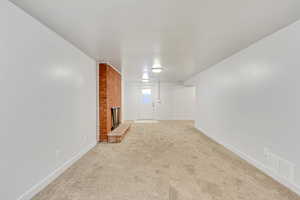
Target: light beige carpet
{"points": [[169, 160]]}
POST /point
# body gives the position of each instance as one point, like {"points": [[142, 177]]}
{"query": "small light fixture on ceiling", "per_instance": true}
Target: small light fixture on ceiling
{"points": [[156, 69]]}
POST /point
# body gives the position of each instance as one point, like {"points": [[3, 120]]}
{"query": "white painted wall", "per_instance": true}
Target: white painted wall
{"points": [[177, 101], [250, 101], [47, 104], [184, 100]]}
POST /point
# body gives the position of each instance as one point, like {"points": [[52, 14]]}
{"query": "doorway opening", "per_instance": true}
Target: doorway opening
{"points": [[147, 105]]}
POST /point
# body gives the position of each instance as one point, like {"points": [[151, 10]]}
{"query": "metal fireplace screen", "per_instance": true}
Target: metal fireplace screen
{"points": [[115, 117]]}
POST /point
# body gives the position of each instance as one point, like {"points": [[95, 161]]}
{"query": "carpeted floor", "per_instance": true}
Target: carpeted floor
{"points": [[169, 160]]}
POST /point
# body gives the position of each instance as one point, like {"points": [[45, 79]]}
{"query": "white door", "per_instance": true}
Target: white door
{"points": [[147, 106]]}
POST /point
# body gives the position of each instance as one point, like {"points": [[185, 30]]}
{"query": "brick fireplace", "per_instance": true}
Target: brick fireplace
{"points": [[110, 96]]}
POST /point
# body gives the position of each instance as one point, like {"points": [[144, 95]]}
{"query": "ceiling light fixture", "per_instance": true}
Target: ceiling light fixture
{"points": [[156, 69]]}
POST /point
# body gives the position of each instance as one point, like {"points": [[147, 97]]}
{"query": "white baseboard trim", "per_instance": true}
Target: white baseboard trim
{"points": [[259, 165], [29, 194]]}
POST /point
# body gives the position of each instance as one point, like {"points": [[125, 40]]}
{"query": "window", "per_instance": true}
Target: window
{"points": [[146, 91], [146, 98]]}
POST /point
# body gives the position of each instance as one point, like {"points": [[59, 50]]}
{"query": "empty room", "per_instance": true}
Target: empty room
{"points": [[149, 100]]}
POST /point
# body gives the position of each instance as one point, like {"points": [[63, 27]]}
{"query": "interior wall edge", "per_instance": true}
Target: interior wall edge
{"points": [[192, 80], [52, 30], [109, 64], [97, 102]]}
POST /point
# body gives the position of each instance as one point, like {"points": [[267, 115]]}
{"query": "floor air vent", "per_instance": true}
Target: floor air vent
{"points": [[282, 167]]}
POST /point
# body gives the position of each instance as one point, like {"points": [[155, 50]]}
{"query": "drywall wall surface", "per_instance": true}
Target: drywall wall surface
{"points": [[250, 103], [47, 106]]}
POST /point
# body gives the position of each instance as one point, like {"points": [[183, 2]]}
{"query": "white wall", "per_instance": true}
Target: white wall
{"points": [[184, 100], [47, 104], [250, 101], [177, 101]]}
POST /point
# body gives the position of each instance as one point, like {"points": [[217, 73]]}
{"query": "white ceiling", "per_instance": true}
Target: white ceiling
{"points": [[185, 36]]}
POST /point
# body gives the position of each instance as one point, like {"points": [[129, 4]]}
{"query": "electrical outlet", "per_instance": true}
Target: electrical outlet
{"points": [[84, 140], [57, 153], [268, 158]]}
